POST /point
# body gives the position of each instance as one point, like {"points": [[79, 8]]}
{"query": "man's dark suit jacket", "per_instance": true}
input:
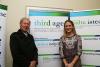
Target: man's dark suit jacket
{"points": [[23, 49]]}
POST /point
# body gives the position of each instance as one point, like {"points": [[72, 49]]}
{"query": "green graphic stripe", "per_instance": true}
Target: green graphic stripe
{"points": [[3, 7], [47, 54], [85, 13], [90, 35], [90, 50], [90, 65], [47, 13]]}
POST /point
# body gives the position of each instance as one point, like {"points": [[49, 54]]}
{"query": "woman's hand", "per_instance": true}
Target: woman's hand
{"points": [[66, 65], [70, 65]]}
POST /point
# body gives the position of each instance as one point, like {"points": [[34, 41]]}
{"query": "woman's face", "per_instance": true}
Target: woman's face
{"points": [[68, 27]]}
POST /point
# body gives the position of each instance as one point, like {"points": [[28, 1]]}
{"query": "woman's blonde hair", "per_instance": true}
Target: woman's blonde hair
{"points": [[74, 31]]}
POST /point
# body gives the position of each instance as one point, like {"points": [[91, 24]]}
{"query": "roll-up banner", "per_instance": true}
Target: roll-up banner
{"points": [[87, 25], [3, 16], [47, 28]]}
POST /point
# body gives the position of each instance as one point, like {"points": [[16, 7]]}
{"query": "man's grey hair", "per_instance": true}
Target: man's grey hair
{"points": [[25, 18]]}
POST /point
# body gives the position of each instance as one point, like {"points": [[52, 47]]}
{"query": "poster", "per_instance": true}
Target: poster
{"points": [[87, 25], [47, 28], [3, 15]]}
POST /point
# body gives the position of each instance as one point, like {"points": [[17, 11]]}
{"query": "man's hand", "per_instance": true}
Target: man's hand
{"points": [[32, 63]]}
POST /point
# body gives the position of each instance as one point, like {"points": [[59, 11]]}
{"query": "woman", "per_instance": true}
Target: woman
{"points": [[70, 46]]}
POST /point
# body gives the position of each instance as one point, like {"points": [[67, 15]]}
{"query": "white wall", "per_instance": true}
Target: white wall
{"points": [[17, 10]]}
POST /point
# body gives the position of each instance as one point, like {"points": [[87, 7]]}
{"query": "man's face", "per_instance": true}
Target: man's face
{"points": [[25, 25]]}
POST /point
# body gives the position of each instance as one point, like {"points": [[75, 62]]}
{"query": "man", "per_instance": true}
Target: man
{"points": [[22, 45]]}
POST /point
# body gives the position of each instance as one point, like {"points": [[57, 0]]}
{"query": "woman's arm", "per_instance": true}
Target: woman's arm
{"points": [[75, 59], [79, 50], [61, 52]]}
